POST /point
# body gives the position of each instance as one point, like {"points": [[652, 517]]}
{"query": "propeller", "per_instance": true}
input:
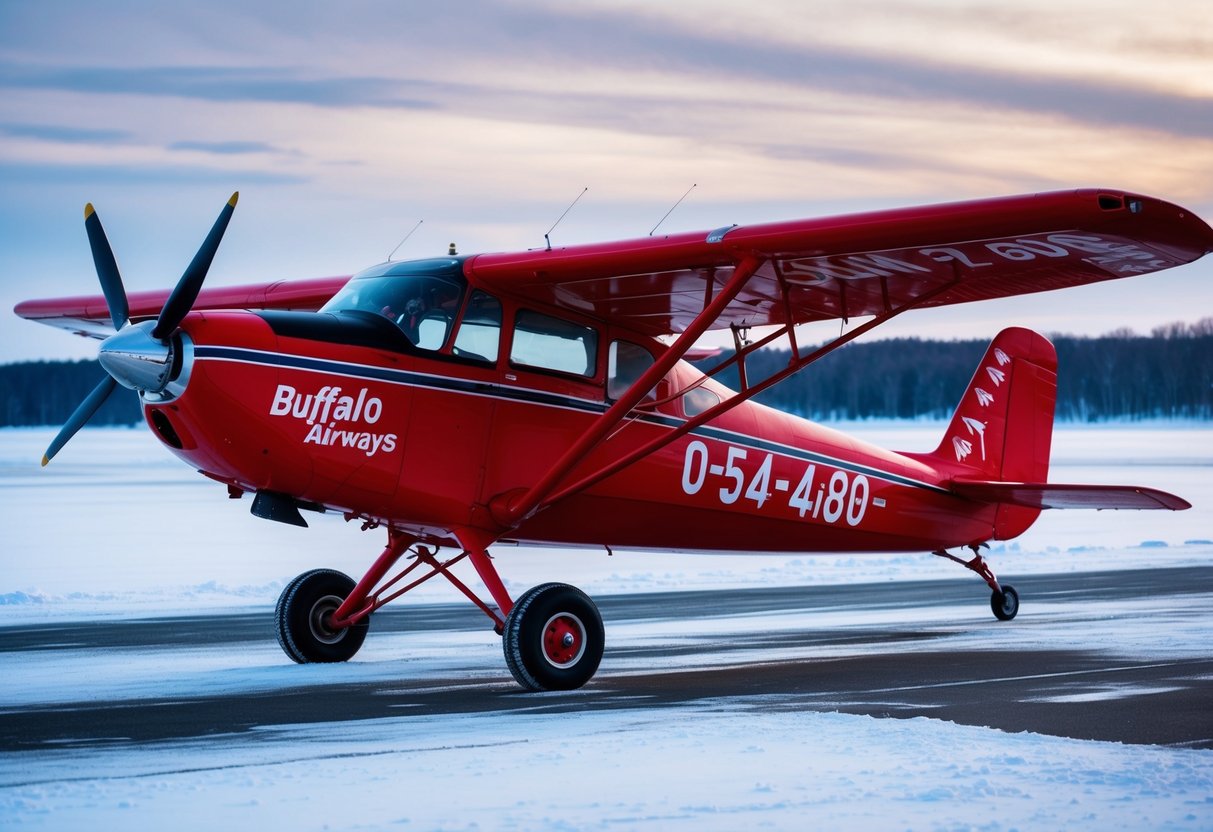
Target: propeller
{"points": [[138, 356]]}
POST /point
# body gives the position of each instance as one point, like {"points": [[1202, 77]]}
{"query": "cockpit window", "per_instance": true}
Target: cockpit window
{"points": [[423, 306], [480, 330]]}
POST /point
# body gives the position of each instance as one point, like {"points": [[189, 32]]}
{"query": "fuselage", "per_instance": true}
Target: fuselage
{"points": [[336, 411]]}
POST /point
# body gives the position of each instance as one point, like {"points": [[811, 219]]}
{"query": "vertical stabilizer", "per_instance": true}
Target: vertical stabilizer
{"points": [[1003, 427]]}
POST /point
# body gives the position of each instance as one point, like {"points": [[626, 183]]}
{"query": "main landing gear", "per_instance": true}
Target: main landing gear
{"points": [[303, 618], [1004, 600], [552, 636]]}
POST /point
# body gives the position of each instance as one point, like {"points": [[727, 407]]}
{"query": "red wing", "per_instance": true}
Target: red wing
{"points": [[89, 315], [1056, 495], [839, 267], [861, 264]]}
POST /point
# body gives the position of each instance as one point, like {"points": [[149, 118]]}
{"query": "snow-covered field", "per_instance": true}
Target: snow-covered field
{"points": [[714, 766], [115, 527]]}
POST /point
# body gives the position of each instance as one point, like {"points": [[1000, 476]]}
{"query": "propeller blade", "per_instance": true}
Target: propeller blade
{"points": [[107, 268], [186, 291], [82, 414]]}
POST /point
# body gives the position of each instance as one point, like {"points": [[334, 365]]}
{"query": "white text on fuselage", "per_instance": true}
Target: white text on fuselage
{"points": [[336, 421]]}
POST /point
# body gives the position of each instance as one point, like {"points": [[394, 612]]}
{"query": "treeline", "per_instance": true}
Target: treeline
{"points": [[46, 393], [1168, 375]]}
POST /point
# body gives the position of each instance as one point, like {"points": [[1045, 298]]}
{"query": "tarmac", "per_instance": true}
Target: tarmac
{"points": [[873, 671]]}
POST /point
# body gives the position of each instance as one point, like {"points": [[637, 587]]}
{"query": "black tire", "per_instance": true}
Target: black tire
{"points": [[301, 618], [1005, 604], [553, 638]]}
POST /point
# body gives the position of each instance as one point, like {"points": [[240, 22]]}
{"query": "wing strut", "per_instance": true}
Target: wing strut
{"points": [[510, 510], [794, 366]]}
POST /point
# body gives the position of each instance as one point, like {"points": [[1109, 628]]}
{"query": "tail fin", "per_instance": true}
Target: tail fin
{"points": [[1003, 426], [996, 449], [1002, 429]]}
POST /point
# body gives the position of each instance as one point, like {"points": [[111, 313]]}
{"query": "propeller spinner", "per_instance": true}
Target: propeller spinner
{"points": [[138, 356]]}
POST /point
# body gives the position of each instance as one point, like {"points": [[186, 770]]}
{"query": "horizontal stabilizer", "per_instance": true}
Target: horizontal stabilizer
{"points": [[1057, 495]]}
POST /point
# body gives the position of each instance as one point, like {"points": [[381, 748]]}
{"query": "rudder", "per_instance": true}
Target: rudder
{"points": [[1002, 429]]}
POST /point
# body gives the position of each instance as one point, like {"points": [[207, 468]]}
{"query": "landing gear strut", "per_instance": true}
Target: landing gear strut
{"points": [[552, 636], [1004, 600]]}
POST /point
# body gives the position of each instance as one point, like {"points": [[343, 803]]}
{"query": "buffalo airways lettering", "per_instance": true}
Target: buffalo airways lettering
{"points": [[336, 421]]}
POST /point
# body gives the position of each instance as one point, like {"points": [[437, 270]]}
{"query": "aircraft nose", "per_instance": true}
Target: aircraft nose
{"points": [[135, 359]]}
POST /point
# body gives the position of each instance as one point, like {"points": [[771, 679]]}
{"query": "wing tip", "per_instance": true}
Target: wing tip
{"points": [[1172, 502]]}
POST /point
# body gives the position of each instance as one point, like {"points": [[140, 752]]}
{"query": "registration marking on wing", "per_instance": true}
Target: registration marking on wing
{"points": [[782, 485]]}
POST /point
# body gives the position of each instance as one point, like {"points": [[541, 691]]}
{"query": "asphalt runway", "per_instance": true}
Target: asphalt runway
{"points": [[1013, 690]]}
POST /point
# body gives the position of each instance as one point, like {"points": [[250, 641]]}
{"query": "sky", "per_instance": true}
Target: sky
{"points": [[343, 125]]}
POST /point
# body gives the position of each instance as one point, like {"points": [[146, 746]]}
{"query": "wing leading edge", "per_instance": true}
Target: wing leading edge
{"points": [[861, 264], [89, 315]]}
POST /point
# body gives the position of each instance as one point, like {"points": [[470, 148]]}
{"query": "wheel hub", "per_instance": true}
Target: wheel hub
{"points": [[563, 640], [320, 617]]}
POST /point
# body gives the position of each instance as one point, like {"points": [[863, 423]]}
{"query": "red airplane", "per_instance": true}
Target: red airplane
{"points": [[542, 397]]}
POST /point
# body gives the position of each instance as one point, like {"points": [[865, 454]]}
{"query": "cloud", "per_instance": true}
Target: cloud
{"points": [[81, 175], [481, 51], [66, 135], [217, 83], [904, 77], [233, 148]]}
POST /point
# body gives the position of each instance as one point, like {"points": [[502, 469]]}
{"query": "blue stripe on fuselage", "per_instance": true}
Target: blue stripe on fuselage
{"points": [[538, 397]]}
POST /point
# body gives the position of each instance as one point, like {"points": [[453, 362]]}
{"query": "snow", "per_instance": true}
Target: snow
{"points": [[712, 766], [115, 527], [134, 531]]}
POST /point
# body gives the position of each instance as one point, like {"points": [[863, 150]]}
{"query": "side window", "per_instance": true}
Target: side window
{"points": [[480, 330], [553, 344], [626, 363], [699, 400]]}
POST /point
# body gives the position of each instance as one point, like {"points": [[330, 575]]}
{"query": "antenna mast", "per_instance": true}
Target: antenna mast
{"points": [[676, 204], [405, 240], [562, 216]]}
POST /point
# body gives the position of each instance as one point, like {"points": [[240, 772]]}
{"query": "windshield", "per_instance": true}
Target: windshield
{"points": [[423, 306]]}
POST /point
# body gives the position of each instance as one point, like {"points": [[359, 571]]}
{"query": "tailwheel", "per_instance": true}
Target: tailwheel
{"points": [[1004, 600], [304, 614], [553, 638], [1005, 604]]}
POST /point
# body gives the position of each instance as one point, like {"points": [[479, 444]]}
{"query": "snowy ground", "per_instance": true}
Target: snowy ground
{"points": [[117, 528], [117, 525]]}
